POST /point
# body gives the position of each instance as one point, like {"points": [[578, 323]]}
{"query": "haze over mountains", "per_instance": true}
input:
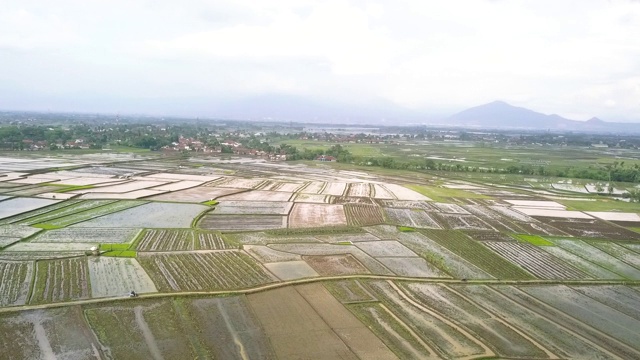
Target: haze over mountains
{"points": [[494, 115], [500, 115]]}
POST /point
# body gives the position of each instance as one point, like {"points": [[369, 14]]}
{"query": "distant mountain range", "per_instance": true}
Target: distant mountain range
{"points": [[494, 115], [500, 115]]}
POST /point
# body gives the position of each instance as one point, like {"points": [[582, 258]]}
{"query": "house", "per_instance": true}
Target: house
{"points": [[231, 143], [326, 158]]}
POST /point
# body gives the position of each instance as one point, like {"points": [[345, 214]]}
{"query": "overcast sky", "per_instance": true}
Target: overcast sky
{"points": [[575, 58]]}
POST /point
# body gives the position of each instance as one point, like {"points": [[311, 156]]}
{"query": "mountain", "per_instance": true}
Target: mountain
{"points": [[500, 115]]}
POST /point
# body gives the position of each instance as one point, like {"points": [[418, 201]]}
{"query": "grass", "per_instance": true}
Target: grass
{"points": [[442, 194], [115, 247], [601, 205], [123, 254], [533, 239], [406, 229], [118, 250], [211, 203], [47, 226], [74, 188]]}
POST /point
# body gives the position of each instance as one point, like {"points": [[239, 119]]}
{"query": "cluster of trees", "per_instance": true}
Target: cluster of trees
{"points": [[337, 151], [616, 171]]}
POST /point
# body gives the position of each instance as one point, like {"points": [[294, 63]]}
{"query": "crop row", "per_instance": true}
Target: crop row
{"points": [[477, 254], [14, 282], [536, 261], [87, 235], [44, 210], [210, 241], [461, 221], [67, 210], [363, 215], [180, 240], [60, 280], [204, 271], [93, 213], [359, 190], [166, 240], [411, 217]]}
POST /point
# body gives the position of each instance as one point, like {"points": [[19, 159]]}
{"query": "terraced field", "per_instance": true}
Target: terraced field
{"points": [[204, 271], [357, 266], [363, 215], [477, 254], [60, 280], [15, 280], [180, 240]]}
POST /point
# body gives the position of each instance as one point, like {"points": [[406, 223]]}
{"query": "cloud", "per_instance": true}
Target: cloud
{"points": [[554, 57], [22, 29]]}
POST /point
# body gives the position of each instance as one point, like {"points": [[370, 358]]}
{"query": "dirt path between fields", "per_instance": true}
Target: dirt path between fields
{"points": [[272, 286]]}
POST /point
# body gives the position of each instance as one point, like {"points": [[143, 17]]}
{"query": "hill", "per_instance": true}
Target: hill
{"points": [[501, 115]]}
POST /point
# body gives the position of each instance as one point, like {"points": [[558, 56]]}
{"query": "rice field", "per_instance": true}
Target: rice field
{"points": [[84, 235], [204, 271], [15, 280], [60, 280], [276, 222], [316, 215], [112, 276], [91, 213], [134, 214], [252, 208], [19, 205], [411, 217], [180, 240]]}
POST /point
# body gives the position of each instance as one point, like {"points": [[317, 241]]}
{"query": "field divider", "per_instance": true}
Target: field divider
{"points": [[498, 318], [277, 285], [463, 331], [558, 323]]}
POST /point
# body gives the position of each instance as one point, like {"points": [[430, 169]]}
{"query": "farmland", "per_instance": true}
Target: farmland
{"points": [[180, 240], [248, 259], [203, 271], [60, 280], [117, 276], [363, 215], [15, 278]]}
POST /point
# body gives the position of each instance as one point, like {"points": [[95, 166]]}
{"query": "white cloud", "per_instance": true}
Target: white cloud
{"points": [[556, 57]]}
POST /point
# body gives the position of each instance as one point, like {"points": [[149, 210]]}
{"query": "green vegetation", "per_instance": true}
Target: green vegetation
{"points": [[121, 253], [73, 188], [405, 229], [477, 254], [441, 194], [115, 247], [601, 205], [533, 239], [47, 226], [436, 260], [117, 250], [211, 203]]}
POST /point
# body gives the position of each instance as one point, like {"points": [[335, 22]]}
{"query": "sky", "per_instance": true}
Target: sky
{"points": [[578, 59]]}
